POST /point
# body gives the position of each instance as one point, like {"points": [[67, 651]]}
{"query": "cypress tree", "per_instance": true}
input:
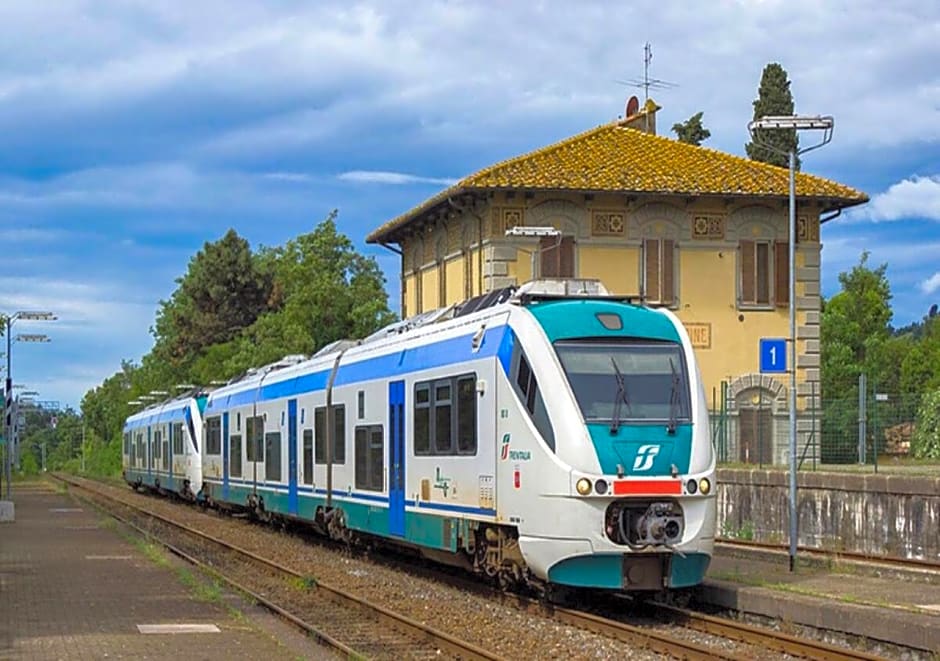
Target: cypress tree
{"points": [[773, 98]]}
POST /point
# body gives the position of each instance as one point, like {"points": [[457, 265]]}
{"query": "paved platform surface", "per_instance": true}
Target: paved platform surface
{"points": [[864, 599], [71, 587]]}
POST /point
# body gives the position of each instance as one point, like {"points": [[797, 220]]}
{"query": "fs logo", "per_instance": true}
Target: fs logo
{"points": [[504, 455], [644, 457]]}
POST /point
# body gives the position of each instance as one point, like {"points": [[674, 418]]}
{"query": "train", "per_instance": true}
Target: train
{"points": [[547, 435]]}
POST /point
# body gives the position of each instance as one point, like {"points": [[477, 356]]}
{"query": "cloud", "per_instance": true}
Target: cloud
{"points": [[393, 178], [915, 197], [931, 284]]}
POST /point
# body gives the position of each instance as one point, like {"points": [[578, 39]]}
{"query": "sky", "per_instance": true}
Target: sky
{"points": [[132, 132]]}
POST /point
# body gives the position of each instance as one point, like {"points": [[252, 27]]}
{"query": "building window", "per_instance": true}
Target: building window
{"points": [[370, 470], [254, 428], [339, 433], [556, 257], [445, 414], [764, 273], [659, 271]]}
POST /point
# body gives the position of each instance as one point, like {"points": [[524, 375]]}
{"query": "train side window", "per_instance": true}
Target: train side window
{"points": [[466, 415], [370, 469], [361, 404], [235, 455], [272, 456], [339, 433], [422, 432], [156, 444], [254, 438], [445, 414], [178, 438], [214, 435], [528, 390], [308, 456]]}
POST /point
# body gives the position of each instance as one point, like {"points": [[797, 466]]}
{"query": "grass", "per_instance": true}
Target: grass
{"points": [[303, 583]]}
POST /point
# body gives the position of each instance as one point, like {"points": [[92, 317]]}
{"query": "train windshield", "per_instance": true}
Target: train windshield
{"points": [[627, 381]]}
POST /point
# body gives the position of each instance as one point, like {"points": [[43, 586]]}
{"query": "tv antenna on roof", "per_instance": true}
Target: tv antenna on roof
{"points": [[646, 82]]}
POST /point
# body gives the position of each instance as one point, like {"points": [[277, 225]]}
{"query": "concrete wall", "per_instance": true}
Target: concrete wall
{"points": [[890, 515]]}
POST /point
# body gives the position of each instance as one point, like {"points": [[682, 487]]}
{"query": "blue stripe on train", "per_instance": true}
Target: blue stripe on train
{"points": [[497, 341]]}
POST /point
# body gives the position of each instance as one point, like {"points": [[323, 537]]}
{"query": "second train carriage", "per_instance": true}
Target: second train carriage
{"points": [[161, 446], [533, 436]]}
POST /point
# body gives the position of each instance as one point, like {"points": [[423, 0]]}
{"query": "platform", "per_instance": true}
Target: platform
{"points": [[862, 599], [72, 587]]}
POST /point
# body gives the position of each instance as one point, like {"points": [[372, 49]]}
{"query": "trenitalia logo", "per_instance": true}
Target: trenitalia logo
{"points": [[644, 457]]}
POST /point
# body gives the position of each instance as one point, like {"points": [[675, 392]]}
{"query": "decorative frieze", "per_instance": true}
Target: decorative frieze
{"points": [[504, 218], [807, 229], [708, 226], [608, 223]]}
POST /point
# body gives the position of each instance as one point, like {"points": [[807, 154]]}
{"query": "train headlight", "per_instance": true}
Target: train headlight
{"points": [[705, 486], [691, 486], [583, 486], [600, 487]]}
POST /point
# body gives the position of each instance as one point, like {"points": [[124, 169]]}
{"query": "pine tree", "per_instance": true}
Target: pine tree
{"points": [[773, 98], [691, 130]]}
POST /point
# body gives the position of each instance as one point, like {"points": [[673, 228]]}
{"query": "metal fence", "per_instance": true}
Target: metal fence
{"points": [[869, 431]]}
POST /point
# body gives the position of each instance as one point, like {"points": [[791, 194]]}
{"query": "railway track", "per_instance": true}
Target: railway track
{"points": [[717, 638], [822, 555]]}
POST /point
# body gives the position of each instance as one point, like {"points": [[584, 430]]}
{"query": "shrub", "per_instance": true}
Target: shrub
{"points": [[925, 443]]}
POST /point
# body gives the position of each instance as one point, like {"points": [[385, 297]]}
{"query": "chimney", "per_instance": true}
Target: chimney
{"points": [[643, 119]]}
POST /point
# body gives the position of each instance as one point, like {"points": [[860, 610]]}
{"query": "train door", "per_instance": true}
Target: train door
{"points": [[169, 456], [292, 456], [149, 457], [396, 458], [226, 453]]}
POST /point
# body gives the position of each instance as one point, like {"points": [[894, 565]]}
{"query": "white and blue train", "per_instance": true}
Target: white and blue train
{"points": [[161, 446], [536, 436]]}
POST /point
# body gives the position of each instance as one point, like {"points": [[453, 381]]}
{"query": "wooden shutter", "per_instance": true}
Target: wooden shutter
{"points": [[566, 257], [667, 268], [651, 257], [548, 257], [782, 274], [747, 271]]}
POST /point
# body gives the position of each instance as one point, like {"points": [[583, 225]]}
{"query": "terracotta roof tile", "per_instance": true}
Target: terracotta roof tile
{"points": [[613, 158]]}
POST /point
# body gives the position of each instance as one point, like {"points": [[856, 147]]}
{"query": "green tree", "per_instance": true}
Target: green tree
{"points": [[925, 443], [773, 98], [323, 290], [854, 337], [691, 131], [222, 293]]}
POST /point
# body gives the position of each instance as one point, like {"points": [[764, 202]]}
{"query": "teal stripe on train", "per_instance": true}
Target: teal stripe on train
{"points": [[623, 448], [563, 320], [606, 570]]}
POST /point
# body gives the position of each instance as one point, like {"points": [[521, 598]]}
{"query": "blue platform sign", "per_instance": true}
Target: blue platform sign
{"points": [[773, 355]]}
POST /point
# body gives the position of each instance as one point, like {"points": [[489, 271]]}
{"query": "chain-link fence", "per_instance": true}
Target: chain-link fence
{"points": [[867, 432]]}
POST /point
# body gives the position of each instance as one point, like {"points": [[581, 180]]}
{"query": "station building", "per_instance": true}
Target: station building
{"points": [[699, 231]]}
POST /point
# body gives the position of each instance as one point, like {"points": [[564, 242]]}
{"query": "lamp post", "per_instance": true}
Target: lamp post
{"points": [[536, 232], [755, 128], [22, 315]]}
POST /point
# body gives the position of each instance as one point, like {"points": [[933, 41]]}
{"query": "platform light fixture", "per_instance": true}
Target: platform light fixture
{"points": [[8, 321], [756, 128]]}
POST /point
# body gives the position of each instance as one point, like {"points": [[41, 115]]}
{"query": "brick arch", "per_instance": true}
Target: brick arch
{"points": [[755, 221], [760, 382], [659, 220]]}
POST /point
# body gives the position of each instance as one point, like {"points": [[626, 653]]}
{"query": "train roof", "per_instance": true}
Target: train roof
{"points": [[170, 410]]}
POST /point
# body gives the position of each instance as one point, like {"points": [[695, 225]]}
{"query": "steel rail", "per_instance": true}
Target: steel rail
{"points": [[774, 640], [854, 556], [450, 644]]}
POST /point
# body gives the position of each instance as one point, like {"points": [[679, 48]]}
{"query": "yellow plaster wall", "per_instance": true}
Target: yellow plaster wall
{"points": [[707, 294], [618, 267], [429, 289], [454, 268], [410, 302]]}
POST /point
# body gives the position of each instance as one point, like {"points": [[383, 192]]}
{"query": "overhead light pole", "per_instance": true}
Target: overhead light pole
{"points": [[9, 320], [824, 123]]}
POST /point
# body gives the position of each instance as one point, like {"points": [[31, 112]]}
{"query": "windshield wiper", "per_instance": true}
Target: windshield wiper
{"points": [[673, 399], [620, 398]]}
